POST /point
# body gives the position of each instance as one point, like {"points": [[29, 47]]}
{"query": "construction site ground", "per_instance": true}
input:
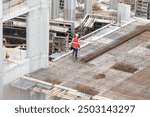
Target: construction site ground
{"points": [[104, 74]]}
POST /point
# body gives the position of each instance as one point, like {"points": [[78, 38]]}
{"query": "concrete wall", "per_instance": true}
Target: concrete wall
{"points": [[12, 93], [13, 72], [69, 9], [38, 31], [55, 8], [125, 11], [1, 68]]}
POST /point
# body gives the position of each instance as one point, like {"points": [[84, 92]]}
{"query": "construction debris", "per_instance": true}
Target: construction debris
{"points": [[87, 90], [95, 7], [99, 76]]}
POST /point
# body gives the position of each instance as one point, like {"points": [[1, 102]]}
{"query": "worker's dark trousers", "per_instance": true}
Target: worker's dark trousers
{"points": [[75, 52]]}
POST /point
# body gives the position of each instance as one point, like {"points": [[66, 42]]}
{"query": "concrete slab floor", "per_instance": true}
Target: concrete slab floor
{"points": [[72, 72]]}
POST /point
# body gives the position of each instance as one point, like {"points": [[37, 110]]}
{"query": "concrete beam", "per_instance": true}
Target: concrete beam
{"points": [[1, 49], [114, 4], [88, 6], [69, 10], [14, 9], [38, 33]]}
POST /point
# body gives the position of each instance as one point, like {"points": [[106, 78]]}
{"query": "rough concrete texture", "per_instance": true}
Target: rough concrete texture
{"points": [[135, 87], [72, 72]]}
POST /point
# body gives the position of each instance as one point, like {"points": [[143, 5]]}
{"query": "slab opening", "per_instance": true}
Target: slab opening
{"points": [[124, 67]]}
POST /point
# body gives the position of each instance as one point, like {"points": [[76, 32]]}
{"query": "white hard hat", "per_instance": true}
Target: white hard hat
{"points": [[76, 35]]}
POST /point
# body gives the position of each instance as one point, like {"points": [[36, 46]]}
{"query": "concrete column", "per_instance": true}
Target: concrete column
{"points": [[125, 11], [87, 6], [1, 49], [55, 8], [50, 9], [114, 4], [69, 10], [38, 33]]}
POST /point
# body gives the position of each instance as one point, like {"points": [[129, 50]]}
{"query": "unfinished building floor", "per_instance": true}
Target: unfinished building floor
{"points": [[131, 81]]}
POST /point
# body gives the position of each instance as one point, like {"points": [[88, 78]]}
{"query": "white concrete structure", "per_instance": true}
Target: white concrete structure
{"points": [[114, 4], [69, 9], [50, 9], [88, 6], [37, 44], [38, 33], [1, 67], [54, 8], [14, 8], [125, 11]]}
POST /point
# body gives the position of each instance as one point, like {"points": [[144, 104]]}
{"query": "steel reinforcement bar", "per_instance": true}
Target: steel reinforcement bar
{"points": [[137, 31]]}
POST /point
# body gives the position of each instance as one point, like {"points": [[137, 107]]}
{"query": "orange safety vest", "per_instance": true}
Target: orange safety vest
{"points": [[75, 42]]}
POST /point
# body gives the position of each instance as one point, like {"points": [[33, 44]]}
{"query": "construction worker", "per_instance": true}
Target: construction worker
{"points": [[7, 56], [75, 45]]}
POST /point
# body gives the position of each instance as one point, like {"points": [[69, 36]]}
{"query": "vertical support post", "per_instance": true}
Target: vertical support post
{"points": [[87, 7], [69, 9], [55, 8], [50, 9], [114, 4], [38, 33], [1, 50]]}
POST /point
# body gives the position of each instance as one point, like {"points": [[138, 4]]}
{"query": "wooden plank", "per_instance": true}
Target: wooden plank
{"points": [[36, 80], [66, 88], [97, 97]]}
